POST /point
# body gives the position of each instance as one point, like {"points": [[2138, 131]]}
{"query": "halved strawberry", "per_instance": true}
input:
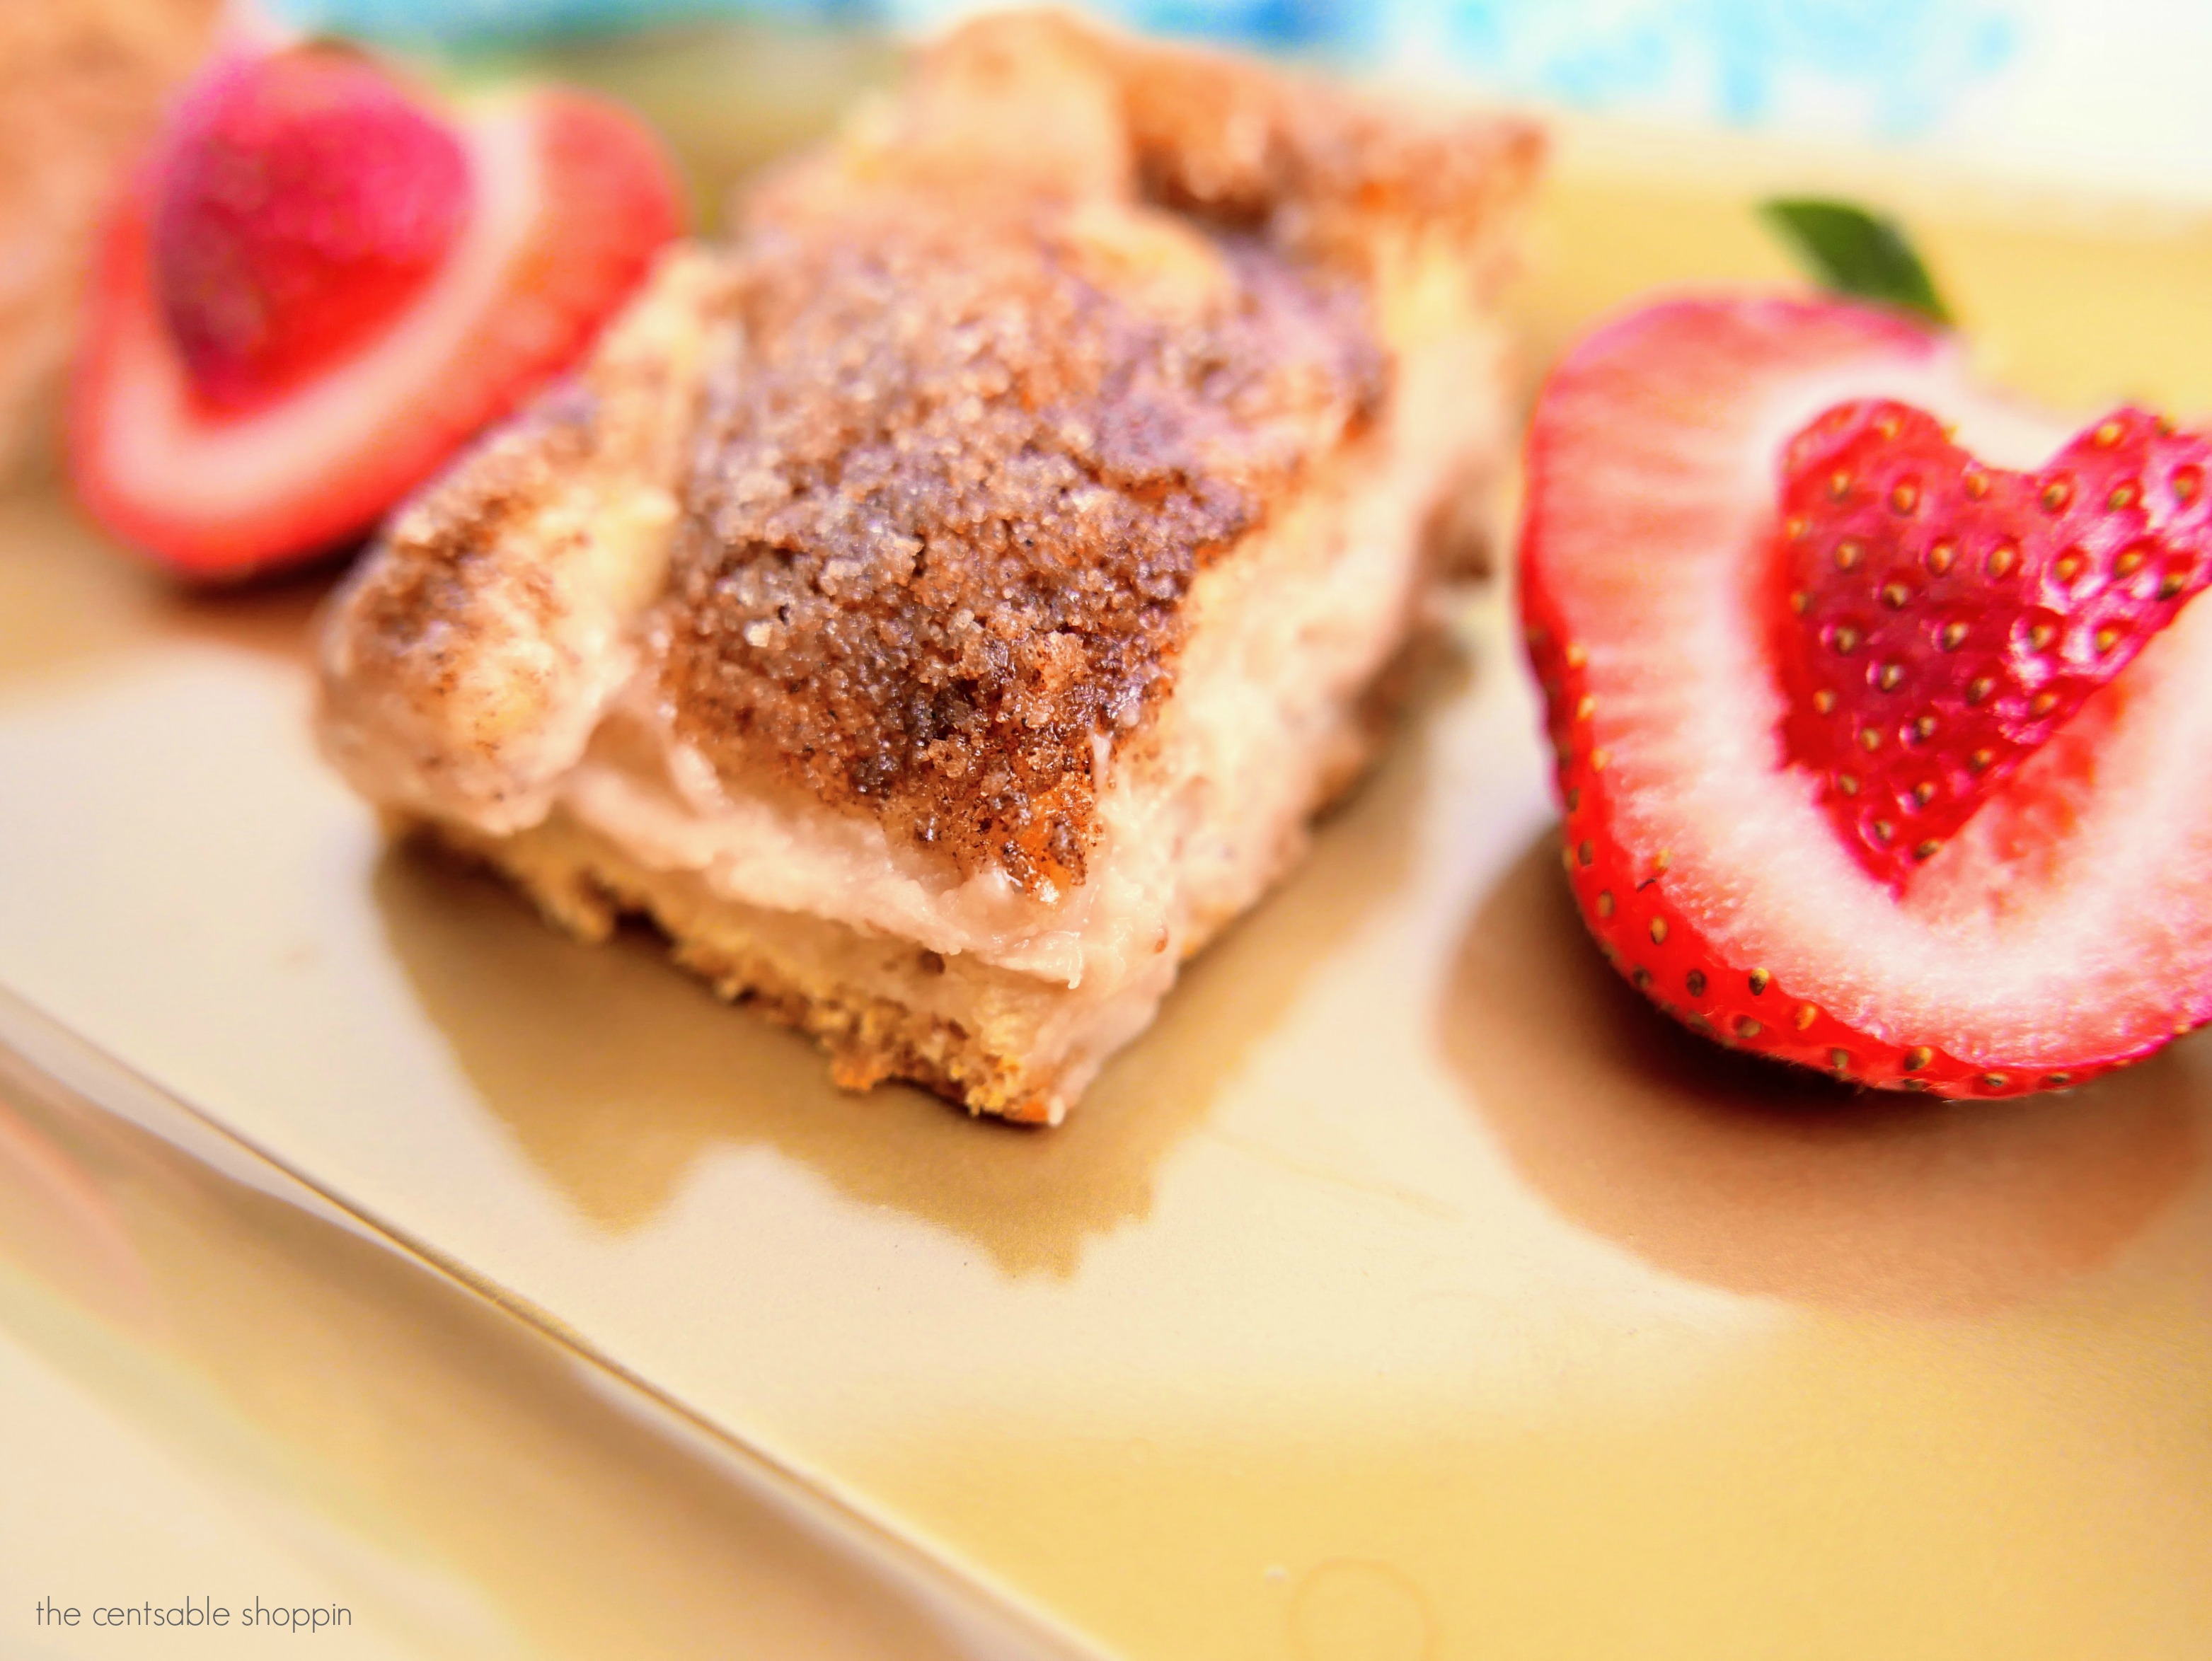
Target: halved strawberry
{"points": [[1716, 490], [319, 287]]}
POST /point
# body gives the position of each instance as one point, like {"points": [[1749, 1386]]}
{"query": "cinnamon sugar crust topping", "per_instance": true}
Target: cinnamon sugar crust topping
{"points": [[953, 496], [1017, 363]]}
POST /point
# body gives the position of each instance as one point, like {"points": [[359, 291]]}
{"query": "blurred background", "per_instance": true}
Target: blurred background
{"points": [[2106, 92]]}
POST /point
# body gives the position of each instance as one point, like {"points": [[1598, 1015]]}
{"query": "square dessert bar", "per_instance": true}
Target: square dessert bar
{"points": [[940, 609]]}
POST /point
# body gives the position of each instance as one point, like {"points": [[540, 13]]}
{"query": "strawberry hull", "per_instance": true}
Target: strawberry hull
{"points": [[1732, 903]]}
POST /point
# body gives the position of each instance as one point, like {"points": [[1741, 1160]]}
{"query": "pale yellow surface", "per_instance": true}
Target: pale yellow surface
{"points": [[1410, 1291], [220, 1385], [98, 1510]]}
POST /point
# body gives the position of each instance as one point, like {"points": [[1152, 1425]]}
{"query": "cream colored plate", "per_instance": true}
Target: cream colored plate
{"points": [[227, 1392], [1410, 1291]]}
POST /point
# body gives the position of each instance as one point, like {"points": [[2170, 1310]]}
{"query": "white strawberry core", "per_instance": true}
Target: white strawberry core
{"points": [[2067, 921], [198, 466]]}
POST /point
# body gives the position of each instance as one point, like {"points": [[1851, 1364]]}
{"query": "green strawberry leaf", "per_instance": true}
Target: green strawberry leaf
{"points": [[1856, 252]]}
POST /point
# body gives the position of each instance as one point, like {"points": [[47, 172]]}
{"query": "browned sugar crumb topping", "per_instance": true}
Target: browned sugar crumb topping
{"points": [[952, 493], [444, 568], [1035, 343]]}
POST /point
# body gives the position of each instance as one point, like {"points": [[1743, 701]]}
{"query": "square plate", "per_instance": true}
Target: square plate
{"points": [[1411, 1291]]}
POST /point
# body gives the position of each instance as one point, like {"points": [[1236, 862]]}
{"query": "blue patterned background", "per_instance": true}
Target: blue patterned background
{"points": [[2110, 91], [1889, 67], [1898, 63]]}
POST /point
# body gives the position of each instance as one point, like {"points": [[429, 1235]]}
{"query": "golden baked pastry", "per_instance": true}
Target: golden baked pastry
{"points": [[943, 609]]}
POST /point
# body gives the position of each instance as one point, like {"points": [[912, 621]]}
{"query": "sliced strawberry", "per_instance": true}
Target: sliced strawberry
{"points": [[232, 451], [1946, 618], [2065, 926]]}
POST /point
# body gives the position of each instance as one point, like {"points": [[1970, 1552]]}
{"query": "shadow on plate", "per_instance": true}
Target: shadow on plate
{"points": [[1762, 1179], [72, 599], [618, 1074]]}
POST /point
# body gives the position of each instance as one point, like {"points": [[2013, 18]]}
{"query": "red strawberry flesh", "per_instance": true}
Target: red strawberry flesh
{"points": [[1939, 619], [304, 201], [2065, 927]]}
